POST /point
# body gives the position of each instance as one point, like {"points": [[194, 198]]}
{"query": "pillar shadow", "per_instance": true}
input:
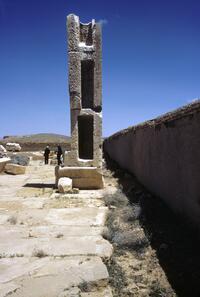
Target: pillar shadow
{"points": [[176, 241], [39, 185]]}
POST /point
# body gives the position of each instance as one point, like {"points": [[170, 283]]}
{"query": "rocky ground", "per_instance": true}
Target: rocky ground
{"points": [[119, 241]]}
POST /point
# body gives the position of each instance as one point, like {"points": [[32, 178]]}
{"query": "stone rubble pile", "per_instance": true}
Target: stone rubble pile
{"points": [[13, 147]]}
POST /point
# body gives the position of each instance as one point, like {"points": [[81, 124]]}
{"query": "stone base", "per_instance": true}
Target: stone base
{"points": [[82, 177]]}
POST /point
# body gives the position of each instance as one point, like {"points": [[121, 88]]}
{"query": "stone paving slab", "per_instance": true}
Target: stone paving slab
{"points": [[84, 245], [91, 216], [85, 216], [52, 231], [51, 277], [65, 230]]}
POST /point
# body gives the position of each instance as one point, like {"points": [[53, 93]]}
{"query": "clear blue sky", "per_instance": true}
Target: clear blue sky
{"points": [[151, 61]]}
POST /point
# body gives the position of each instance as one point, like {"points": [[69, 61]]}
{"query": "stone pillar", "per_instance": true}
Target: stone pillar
{"points": [[84, 162], [85, 90]]}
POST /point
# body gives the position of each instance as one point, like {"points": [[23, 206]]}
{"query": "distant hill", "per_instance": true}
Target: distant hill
{"points": [[37, 138], [38, 141]]}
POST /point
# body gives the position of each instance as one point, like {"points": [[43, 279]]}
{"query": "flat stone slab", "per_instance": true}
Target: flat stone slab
{"points": [[67, 246], [32, 277], [91, 216], [52, 231], [85, 216]]}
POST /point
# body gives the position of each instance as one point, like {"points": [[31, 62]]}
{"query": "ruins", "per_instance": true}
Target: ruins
{"points": [[84, 162]]}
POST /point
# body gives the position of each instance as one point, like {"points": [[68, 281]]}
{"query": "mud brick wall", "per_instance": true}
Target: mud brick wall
{"points": [[164, 155]]}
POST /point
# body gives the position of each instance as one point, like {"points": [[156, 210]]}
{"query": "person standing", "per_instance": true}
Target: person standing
{"points": [[59, 154], [46, 155]]}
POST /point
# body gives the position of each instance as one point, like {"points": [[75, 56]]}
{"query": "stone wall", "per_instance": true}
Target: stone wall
{"points": [[164, 155]]}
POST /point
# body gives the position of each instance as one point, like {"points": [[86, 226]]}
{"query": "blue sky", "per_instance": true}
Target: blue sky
{"points": [[151, 61]]}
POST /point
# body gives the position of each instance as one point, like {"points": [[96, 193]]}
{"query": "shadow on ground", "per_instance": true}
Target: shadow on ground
{"points": [[39, 185], [176, 242]]}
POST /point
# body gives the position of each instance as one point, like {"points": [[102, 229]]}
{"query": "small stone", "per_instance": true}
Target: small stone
{"points": [[75, 190], [112, 207], [64, 185]]}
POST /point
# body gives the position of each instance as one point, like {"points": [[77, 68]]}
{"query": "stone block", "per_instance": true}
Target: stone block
{"points": [[15, 169], [64, 185], [3, 162], [82, 177], [13, 147]]}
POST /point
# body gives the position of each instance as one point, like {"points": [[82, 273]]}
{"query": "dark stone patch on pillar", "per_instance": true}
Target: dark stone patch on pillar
{"points": [[85, 136]]}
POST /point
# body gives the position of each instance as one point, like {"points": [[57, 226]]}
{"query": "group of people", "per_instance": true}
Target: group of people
{"points": [[59, 154]]}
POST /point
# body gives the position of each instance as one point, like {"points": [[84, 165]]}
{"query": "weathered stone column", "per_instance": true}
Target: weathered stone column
{"points": [[85, 91]]}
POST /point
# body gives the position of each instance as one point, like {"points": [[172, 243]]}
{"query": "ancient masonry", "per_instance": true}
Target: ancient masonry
{"points": [[84, 162]]}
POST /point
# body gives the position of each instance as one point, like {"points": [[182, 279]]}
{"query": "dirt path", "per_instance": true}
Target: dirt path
{"points": [[51, 244]]}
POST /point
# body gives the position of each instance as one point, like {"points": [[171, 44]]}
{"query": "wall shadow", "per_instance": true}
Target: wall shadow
{"points": [[176, 241]]}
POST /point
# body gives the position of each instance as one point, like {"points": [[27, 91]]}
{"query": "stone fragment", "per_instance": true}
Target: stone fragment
{"points": [[3, 152], [64, 185], [75, 190], [2, 149], [15, 169], [13, 147]]}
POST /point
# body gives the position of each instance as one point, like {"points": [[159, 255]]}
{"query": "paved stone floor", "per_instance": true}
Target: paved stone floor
{"points": [[51, 244]]}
